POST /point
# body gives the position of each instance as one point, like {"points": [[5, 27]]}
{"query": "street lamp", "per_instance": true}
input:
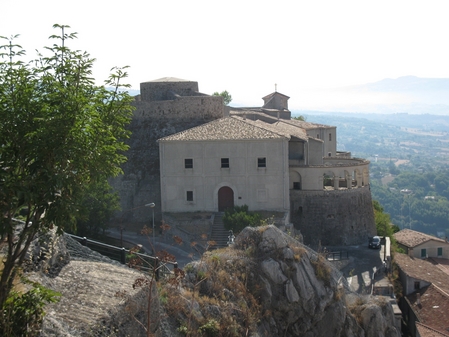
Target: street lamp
{"points": [[152, 204]]}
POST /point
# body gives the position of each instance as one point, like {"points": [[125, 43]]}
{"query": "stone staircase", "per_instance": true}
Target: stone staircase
{"points": [[219, 233]]}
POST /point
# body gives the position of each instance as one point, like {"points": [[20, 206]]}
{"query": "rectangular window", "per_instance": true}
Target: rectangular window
{"points": [[296, 185], [330, 137], [224, 162], [189, 195], [262, 162], [318, 136], [423, 252], [440, 251], [417, 285], [188, 163]]}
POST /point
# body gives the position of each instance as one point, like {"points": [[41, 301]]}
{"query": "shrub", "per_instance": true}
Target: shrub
{"points": [[22, 314], [237, 218]]}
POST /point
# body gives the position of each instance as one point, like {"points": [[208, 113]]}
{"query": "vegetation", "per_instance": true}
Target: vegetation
{"points": [[237, 218], [227, 98], [60, 136], [23, 312]]}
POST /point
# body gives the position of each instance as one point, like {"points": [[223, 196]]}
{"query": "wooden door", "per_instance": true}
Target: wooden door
{"points": [[225, 198]]}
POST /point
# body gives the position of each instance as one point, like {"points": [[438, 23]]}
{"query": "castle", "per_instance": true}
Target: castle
{"points": [[190, 153]]}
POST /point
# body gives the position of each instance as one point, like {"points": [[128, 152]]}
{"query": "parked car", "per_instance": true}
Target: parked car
{"points": [[374, 242]]}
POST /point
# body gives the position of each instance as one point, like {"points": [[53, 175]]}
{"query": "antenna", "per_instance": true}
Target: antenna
{"points": [[275, 87]]}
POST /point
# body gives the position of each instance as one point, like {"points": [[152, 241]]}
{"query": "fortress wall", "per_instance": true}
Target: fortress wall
{"points": [[159, 91], [205, 107], [140, 183], [335, 217]]}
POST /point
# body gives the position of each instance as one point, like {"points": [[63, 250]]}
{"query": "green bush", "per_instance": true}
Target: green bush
{"points": [[22, 314], [239, 217]]}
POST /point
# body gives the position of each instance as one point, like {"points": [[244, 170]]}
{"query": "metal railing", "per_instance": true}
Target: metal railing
{"points": [[136, 260], [336, 256]]}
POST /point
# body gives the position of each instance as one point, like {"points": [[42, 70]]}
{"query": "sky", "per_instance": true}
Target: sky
{"points": [[249, 48]]}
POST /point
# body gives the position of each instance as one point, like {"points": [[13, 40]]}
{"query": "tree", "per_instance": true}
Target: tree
{"points": [[227, 98], [96, 209], [383, 225], [59, 134], [299, 118]]}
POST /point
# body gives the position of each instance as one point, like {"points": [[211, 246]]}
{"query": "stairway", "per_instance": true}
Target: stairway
{"points": [[219, 233]]}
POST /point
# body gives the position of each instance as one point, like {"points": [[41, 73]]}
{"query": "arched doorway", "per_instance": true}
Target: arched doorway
{"points": [[225, 198]]}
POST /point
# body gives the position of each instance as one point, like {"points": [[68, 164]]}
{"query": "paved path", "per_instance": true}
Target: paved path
{"points": [[361, 265]]}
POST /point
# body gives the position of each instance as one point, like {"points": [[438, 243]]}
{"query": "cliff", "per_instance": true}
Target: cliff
{"points": [[267, 284]]}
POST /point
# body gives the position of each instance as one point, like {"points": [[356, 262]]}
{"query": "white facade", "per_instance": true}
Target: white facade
{"points": [[261, 188]]}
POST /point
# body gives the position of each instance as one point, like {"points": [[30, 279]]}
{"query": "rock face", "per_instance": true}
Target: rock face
{"points": [[278, 287], [267, 284]]}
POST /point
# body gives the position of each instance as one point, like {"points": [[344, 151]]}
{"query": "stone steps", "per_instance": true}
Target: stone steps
{"points": [[219, 233]]}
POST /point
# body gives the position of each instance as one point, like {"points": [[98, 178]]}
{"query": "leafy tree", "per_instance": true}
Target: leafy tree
{"points": [[227, 98], [96, 209], [383, 225], [300, 118], [59, 134]]}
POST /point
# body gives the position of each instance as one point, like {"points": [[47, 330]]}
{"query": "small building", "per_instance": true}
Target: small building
{"points": [[425, 300], [420, 245]]}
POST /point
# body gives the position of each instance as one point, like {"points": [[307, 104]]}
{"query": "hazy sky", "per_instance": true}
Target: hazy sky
{"points": [[246, 46]]}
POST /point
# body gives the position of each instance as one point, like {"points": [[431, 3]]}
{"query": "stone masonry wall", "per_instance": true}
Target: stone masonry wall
{"points": [[336, 217], [140, 183]]}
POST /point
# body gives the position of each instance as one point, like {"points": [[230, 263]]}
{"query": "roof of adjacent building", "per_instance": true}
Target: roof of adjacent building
{"points": [[427, 331], [274, 93], [411, 238], [227, 128], [307, 125], [423, 269], [431, 304], [279, 127]]}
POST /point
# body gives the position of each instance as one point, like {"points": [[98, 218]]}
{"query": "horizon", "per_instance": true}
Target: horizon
{"points": [[306, 49]]}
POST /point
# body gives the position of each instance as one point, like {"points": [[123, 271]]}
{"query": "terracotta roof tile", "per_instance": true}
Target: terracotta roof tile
{"points": [[426, 331], [431, 304], [227, 128], [411, 238], [422, 269]]}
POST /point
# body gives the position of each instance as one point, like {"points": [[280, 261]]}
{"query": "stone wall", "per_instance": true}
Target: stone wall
{"points": [[334, 217], [140, 182]]}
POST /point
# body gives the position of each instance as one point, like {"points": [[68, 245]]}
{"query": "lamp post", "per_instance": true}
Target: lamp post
{"points": [[152, 204]]}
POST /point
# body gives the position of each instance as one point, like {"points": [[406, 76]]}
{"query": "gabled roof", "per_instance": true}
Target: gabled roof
{"points": [[227, 128], [427, 331], [272, 94], [422, 269], [279, 127], [431, 304], [411, 238], [307, 125]]}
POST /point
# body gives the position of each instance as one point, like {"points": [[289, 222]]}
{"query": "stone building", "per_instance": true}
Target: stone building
{"points": [[210, 157]]}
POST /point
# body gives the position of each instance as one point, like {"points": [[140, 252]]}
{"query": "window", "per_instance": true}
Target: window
{"points": [[318, 136], [417, 285], [330, 137], [189, 195], [440, 251], [329, 154], [262, 162], [224, 162], [188, 163], [423, 252], [296, 185]]}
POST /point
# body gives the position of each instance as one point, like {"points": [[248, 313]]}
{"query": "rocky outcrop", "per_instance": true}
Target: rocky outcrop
{"points": [[266, 284]]}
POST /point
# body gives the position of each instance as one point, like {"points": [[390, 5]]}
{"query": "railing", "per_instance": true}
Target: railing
{"points": [[336, 256], [136, 260]]}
